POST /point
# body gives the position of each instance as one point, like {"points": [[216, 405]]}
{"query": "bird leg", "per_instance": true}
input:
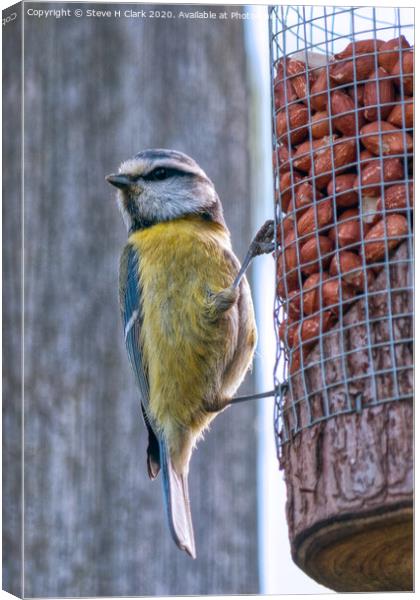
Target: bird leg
{"points": [[238, 399], [225, 402], [263, 243]]}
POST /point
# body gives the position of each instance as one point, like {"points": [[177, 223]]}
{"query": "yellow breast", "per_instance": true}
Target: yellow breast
{"points": [[180, 262]]}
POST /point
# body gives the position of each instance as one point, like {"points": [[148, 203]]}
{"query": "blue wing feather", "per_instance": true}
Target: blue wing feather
{"points": [[130, 302]]}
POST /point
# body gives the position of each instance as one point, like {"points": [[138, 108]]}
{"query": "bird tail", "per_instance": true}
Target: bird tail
{"points": [[177, 501]]}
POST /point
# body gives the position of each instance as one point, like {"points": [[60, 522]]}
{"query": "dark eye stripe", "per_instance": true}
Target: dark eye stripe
{"points": [[161, 173]]}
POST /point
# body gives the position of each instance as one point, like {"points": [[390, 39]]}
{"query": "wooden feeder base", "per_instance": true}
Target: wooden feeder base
{"points": [[368, 554]]}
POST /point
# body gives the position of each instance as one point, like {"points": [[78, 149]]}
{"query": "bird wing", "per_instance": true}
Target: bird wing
{"points": [[130, 304], [175, 485]]}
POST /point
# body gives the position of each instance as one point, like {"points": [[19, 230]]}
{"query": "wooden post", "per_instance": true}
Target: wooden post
{"points": [[98, 90]]}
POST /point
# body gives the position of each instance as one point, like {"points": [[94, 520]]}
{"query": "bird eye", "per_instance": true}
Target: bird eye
{"points": [[161, 173], [158, 174]]}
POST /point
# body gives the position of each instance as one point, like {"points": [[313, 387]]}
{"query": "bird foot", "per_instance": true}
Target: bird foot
{"points": [[263, 242]]}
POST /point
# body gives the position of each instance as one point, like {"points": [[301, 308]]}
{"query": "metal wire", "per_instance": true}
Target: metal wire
{"points": [[351, 364]]}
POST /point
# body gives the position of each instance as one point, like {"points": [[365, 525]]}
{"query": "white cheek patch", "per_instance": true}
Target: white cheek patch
{"points": [[173, 199]]}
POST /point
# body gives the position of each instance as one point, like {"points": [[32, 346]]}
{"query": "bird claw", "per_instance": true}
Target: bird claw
{"points": [[263, 242]]}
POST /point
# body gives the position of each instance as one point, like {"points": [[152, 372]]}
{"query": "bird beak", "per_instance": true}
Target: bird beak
{"points": [[119, 181]]}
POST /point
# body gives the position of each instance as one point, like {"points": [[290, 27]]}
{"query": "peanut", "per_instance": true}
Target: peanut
{"points": [[390, 52], [315, 253], [293, 121], [387, 234], [338, 156], [320, 125], [356, 92], [342, 190], [294, 308], [402, 115], [306, 151], [287, 183], [282, 158], [301, 78], [306, 194], [284, 93], [336, 293], [381, 137], [376, 172], [319, 94], [312, 293], [397, 197], [405, 74], [315, 218], [346, 121], [351, 269], [379, 96], [287, 331], [361, 47], [352, 70], [347, 231], [308, 331], [286, 284], [290, 249]]}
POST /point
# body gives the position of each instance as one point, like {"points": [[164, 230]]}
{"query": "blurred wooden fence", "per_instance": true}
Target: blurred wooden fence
{"points": [[96, 92]]}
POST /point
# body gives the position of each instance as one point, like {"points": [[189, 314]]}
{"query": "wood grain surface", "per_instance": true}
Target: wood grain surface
{"points": [[12, 303], [96, 92]]}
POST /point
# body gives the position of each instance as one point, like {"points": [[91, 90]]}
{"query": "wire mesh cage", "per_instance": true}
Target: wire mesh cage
{"points": [[342, 98]]}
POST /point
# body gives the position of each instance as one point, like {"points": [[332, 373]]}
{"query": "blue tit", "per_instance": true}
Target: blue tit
{"points": [[187, 314]]}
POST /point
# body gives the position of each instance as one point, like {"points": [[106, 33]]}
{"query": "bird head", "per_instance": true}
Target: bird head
{"points": [[163, 185]]}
